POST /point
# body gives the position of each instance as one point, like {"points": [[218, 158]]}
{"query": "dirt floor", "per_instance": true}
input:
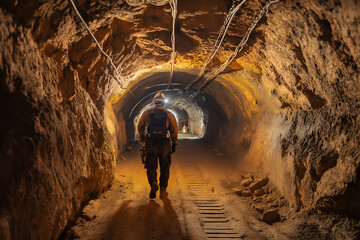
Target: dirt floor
{"points": [[209, 197]]}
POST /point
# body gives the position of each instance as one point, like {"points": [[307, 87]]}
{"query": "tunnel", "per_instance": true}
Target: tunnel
{"points": [[269, 125], [206, 115]]}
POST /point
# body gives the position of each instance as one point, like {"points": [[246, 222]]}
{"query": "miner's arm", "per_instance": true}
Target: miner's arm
{"points": [[173, 128]]}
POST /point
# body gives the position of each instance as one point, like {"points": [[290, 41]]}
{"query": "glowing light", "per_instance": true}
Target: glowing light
{"points": [[184, 129], [166, 100]]}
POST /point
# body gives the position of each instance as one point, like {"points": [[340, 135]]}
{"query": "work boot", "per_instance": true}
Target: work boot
{"points": [[153, 191], [163, 192]]}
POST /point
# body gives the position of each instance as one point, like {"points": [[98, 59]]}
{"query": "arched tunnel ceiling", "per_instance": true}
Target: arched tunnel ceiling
{"points": [[137, 36], [145, 87]]}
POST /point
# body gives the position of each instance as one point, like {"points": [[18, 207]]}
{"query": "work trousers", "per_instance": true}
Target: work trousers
{"points": [[158, 150]]}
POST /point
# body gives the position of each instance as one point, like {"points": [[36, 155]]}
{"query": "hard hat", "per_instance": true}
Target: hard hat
{"points": [[159, 98]]}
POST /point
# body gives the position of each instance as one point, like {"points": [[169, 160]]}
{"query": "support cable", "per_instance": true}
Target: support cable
{"points": [[116, 75], [173, 5], [228, 19], [237, 50], [240, 46]]}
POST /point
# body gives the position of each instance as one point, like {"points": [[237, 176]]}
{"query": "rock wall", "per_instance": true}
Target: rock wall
{"points": [[233, 119], [310, 148], [55, 153]]}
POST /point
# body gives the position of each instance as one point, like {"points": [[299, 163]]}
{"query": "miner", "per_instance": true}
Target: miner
{"points": [[158, 128]]}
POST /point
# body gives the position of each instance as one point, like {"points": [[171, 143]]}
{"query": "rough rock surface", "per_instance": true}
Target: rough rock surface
{"points": [[258, 184], [289, 100], [55, 152], [259, 192], [315, 137], [238, 191], [270, 216], [247, 182], [246, 193]]}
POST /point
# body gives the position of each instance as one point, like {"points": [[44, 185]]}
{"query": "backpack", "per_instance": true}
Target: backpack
{"points": [[157, 127]]}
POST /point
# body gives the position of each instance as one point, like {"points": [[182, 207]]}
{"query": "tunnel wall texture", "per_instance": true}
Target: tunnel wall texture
{"points": [[311, 148], [234, 119], [298, 76], [55, 152]]}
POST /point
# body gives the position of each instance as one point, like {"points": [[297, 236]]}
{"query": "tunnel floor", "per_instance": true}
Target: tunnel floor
{"points": [[201, 203]]}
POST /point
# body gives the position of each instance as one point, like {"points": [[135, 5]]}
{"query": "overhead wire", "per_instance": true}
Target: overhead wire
{"points": [[116, 75], [173, 5], [237, 50], [240, 46], [222, 33], [228, 19]]}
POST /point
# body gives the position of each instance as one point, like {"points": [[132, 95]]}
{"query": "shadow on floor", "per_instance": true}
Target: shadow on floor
{"points": [[148, 222]]}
